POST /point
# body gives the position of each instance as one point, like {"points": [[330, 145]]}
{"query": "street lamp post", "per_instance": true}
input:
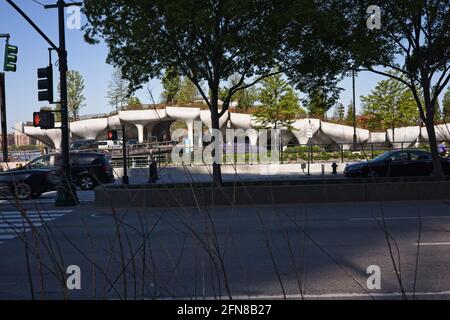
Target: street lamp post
{"points": [[355, 136]]}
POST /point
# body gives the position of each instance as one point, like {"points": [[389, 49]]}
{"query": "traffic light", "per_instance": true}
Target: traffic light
{"points": [[45, 84], [44, 120], [113, 135], [10, 58]]}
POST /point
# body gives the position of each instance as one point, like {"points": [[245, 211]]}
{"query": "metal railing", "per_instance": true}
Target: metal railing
{"points": [[140, 155]]}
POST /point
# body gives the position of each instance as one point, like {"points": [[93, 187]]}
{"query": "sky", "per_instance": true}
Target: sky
{"points": [[89, 60]]}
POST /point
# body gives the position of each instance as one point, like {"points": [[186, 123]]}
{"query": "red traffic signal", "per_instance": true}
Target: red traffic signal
{"points": [[44, 120], [113, 135]]}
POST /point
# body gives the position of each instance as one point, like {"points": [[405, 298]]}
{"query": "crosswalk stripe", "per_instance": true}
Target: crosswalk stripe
{"points": [[26, 221], [7, 215], [37, 212], [8, 237], [19, 225], [13, 231]]}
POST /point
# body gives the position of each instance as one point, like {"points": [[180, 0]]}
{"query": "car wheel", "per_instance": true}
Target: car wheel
{"points": [[86, 183], [22, 191]]}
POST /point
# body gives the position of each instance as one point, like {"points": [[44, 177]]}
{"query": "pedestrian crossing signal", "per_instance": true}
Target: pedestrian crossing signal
{"points": [[113, 135], [44, 120]]}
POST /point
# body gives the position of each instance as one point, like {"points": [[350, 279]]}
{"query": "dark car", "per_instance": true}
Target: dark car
{"points": [[25, 184], [89, 169], [403, 163], [87, 144]]}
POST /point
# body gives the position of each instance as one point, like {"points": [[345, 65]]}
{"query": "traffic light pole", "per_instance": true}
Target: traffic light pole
{"points": [[3, 117], [67, 195]]}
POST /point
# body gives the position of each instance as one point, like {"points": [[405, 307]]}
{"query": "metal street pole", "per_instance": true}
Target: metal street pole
{"points": [[3, 117], [125, 179], [67, 194], [355, 136]]}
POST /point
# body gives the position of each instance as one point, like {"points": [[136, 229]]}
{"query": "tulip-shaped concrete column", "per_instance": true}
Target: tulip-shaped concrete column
{"points": [[89, 129], [143, 118], [188, 115]]}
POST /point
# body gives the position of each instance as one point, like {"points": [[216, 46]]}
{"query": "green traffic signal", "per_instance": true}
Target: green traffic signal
{"points": [[10, 58]]}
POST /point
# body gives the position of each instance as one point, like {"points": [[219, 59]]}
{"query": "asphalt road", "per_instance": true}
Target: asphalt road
{"points": [[311, 252]]}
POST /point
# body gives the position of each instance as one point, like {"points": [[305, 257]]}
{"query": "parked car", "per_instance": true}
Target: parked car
{"points": [[89, 169], [83, 145], [23, 184], [109, 145], [402, 163]]}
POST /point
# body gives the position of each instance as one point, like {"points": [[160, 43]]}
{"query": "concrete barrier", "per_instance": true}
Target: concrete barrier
{"points": [[282, 192]]}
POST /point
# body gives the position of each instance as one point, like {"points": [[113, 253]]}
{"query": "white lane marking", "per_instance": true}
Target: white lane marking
{"points": [[31, 217], [8, 237], [32, 220], [36, 212], [17, 225], [332, 296], [13, 231], [432, 244], [400, 218]]}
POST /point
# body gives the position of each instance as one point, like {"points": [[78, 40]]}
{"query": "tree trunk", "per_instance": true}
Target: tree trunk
{"points": [[438, 171], [217, 169]]}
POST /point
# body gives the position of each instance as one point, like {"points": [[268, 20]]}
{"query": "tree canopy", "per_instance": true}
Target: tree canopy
{"points": [[391, 104], [279, 104]]}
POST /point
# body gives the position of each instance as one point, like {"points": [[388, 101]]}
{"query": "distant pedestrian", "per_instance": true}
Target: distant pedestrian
{"points": [[153, 174], [442, 149]]}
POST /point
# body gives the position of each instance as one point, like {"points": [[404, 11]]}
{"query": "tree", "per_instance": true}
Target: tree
{"points": [[279, 104], [340, 112], [350, 114], [187, 93], [244, 99], [75, 96], [413, 41], [118, 90], [318, 103], [133, 103], [222, 38], [446, 104], [391, 104], [171, 83]]}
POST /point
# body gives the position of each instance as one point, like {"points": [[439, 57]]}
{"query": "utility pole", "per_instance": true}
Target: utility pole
{"points": [[355, 136], [67, 194], [3, 117]]}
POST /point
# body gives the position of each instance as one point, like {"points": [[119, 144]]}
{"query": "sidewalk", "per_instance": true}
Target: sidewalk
{"points": [[230, 173]]}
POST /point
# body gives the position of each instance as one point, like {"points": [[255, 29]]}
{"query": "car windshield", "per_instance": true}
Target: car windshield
{"points": [[384, 156]]}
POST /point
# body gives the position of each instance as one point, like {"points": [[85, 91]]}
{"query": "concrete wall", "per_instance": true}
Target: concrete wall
{"points": [[264, 194]]}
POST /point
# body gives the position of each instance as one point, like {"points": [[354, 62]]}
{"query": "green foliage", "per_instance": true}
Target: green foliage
{"points": [[339, 112], [75, 96], [390, 105], [171, 83], [350, 114], [279, 103], [318, 103], [244, 99], [118, 90], [446, 104], [187, 93]]}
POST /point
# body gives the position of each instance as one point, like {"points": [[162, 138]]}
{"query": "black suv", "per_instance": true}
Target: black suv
{"points": [[88, 169]]}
